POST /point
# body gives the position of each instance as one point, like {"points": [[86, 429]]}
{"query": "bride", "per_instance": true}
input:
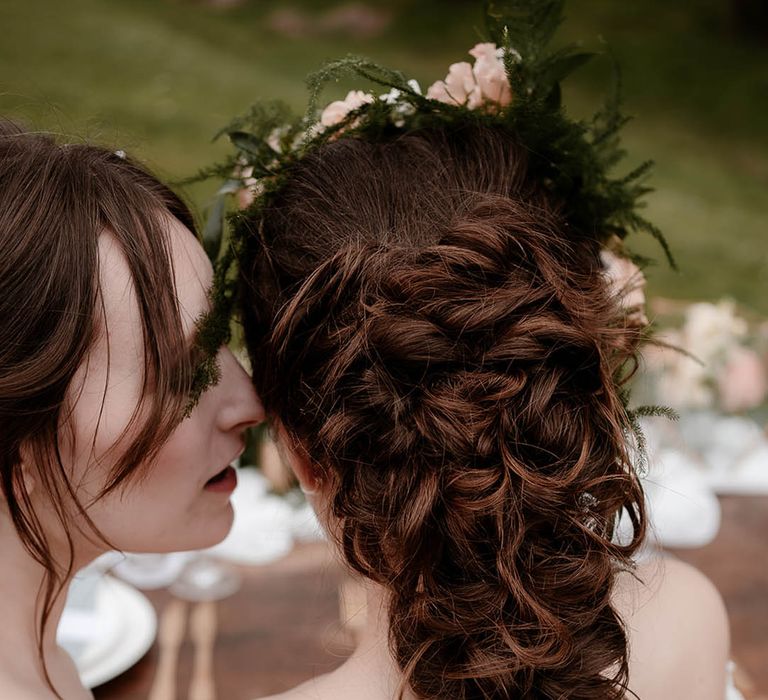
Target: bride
{"points": [[442, 320], [109, 440], [440, 358]]}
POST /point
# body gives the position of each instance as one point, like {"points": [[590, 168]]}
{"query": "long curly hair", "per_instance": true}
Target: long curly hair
{"points": [[446, 351]]}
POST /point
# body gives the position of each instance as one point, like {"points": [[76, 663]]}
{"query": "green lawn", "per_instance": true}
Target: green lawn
{"points": [[159, 77]]}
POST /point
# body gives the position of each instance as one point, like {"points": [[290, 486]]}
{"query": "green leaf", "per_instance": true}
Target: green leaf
{"points": [[560, 65], [214, 226], [355, 65], [530, 23], [248, 143], [656, 412]]}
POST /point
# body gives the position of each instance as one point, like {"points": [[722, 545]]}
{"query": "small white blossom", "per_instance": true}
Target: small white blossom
{"points": [[391, 97], [711, 329], [274, 140], [414, 85]]}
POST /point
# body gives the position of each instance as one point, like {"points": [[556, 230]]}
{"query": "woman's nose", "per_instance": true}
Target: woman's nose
{"points": [[241, 405]]}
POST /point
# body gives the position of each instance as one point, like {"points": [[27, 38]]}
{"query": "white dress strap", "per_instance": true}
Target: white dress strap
{"points": [[731, 691]]}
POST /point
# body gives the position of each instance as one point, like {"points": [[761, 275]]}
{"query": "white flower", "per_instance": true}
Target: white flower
{"points": [[684, 383], [391, 97], [414, 85], [400, 108], [275, 138], [711, 329]]}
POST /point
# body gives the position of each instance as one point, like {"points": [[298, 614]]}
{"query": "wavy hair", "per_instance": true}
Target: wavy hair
{"points": [[55, 201], [445, 350]]}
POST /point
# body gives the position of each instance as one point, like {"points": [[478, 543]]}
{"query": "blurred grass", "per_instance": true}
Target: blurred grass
{"points": [[159, 78]]}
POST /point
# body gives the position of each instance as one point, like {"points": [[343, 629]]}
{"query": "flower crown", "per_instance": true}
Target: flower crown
{"points": [[513, 84]]}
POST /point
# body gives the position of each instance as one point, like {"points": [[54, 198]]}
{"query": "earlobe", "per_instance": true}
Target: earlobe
{"points": [[294, 456], [309, 481], [27, 480], [308, 491]]}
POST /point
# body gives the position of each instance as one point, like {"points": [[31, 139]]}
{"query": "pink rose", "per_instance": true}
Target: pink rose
{"points": [[459, 87], [742, 383], [484, 51], [490, 74], [472, 86], [337, 111], [627, 282]]}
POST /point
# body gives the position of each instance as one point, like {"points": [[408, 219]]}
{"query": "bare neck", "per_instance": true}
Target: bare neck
{"points": [[21, 599], [371, 668]]}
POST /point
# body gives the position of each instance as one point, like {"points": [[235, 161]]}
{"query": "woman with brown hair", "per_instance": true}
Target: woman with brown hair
{"points": [[109, 438], [439, 355], [442, 334]]}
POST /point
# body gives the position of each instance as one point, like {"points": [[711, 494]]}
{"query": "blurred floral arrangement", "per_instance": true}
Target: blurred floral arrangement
{"points": [[708, 361], [715, 360]]}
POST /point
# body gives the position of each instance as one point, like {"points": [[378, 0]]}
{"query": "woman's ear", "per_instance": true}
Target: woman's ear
{"points": [[27, 475], [296, 458], [28, 479]]}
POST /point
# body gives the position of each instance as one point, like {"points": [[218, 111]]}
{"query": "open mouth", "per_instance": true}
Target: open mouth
{"points": [[225, 480]]}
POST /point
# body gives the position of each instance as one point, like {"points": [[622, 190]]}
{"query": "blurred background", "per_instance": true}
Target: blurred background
{"points": [[158, 78]]}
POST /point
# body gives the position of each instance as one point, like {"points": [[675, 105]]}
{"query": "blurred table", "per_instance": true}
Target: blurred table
{"points": [[279, 629], [282, 627]]}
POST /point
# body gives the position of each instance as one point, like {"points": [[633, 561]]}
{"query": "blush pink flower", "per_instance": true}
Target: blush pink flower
{"points": [[337, 111], [626, 282], [742, 383], [469, 86], [459, 87], [490, 74]]}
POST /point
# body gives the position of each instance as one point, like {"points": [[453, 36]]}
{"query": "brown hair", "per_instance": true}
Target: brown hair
{"points": [[444, 348], [55, 201]]}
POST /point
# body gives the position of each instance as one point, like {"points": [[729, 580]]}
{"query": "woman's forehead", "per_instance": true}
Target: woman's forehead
{"points": [[192, 272], [192, 275]]}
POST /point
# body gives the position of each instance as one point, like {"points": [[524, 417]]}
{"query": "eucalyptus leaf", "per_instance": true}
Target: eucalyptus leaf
{"points": [[559, 66], [214, 226], [249, 143]]}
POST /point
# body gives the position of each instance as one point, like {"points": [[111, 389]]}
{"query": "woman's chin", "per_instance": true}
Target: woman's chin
{"points": [[210, 532], [203, 532]]}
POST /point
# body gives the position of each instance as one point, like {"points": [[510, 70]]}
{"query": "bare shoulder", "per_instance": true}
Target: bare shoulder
{"points": [[678, 631], [342, 684], [20, 691], [305, 691]]}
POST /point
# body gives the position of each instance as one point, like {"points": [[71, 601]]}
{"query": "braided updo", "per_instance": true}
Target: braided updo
{"points": [[445, 350]]}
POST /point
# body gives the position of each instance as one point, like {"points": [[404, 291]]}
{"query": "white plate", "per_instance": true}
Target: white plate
{"points": [[132, 630]]}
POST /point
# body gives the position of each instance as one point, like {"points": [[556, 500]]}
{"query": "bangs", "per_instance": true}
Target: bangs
{"points": [[139, 220]]}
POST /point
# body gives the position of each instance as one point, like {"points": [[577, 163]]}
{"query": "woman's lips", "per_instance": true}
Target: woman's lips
{"points": [[223, 482]]}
